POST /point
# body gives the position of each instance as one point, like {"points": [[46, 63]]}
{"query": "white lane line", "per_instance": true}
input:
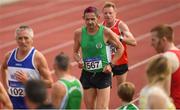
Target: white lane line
{"points": [[57, 47], [165, 10], [78, 22], [141, 37], [26, 10], [57, 14], [133, 5], [46, 17], [43, 33], [143, 62]]}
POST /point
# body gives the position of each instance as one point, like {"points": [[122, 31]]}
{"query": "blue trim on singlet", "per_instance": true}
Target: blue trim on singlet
{"points": [[26, 63], [18, 103]]}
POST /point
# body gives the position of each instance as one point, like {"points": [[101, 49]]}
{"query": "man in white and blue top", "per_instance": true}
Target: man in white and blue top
{"points": [[22, 64]]}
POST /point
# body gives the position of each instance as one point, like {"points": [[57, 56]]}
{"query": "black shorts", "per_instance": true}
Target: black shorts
{"points": [[99, 80], [120, 69]]}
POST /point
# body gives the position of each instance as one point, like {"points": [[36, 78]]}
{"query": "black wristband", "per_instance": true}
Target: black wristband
{"points": [[112, 65], [121, 37]]}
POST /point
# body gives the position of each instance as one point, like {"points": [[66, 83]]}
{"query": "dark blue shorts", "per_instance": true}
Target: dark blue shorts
{"points": [[99, 80], [120, 69]]}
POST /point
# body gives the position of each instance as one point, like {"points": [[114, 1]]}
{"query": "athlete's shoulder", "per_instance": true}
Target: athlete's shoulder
{"points": [[107, 30], [58, 89], [173, 59], [122, 25], [8, 54], [6, 58], [77, 31], [38, 54]]}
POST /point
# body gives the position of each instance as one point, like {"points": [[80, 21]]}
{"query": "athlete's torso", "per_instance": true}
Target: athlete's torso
{"points": [[95, 52], [15, 87], [74, 92]]}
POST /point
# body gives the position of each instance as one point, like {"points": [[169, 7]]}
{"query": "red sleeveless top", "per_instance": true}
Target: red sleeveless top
{"points": [[115, 29], [175, 82]]}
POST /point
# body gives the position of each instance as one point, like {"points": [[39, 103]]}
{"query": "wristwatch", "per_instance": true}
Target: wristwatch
{"points": [[121, 38], [112, 65]]}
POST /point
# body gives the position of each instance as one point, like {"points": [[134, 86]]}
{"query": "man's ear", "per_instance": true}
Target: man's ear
{"points": [[83, 17], [98, 17], [164, 39]]}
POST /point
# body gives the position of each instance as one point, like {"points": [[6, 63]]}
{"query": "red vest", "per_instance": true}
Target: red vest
{"points": [[115, 29], [175, 82]]}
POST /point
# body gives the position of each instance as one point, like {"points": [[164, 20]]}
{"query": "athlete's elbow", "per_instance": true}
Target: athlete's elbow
{"points": [[134, 43], [120, 49], [49, 83]]}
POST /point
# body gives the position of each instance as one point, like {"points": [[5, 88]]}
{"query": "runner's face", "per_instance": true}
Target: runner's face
{"points": [[91, 20], [109, 14], [157, 43], [24, 42]]}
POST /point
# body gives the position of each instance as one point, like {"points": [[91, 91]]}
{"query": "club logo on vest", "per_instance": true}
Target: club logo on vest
{"points": [[99, 45], [18, 64]]}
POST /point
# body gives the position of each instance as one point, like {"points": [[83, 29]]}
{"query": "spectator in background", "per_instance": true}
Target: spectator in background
{"points": [[126, 92], [154, 95]]}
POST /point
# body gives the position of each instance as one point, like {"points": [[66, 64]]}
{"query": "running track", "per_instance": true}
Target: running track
{"points": [[54, 22]]}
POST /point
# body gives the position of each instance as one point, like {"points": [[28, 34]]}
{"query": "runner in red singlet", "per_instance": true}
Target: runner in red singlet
{"points": [[162, 41], [120, 69]]}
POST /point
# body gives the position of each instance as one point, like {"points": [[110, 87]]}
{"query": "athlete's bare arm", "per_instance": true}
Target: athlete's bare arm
{"points": [[43, 68], [76, 47], [174, 62], [173, 59], [111, 37], [128, 36], [4, 98], [57, 95], [4, 70]]}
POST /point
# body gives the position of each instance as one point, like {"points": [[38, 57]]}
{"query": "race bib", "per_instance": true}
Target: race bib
{"points": [[16, 92], [113, 49], [93, 63], [16, 89]]}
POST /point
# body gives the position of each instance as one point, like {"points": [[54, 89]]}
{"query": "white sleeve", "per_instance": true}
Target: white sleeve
{"points": [[173, 59]]}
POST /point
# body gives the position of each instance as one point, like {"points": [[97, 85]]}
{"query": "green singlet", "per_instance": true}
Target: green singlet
{"points": [[128, 107], [95, 52], [74, 93]]}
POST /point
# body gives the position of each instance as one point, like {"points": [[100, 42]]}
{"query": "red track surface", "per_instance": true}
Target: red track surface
{"points": [[54, 22]]}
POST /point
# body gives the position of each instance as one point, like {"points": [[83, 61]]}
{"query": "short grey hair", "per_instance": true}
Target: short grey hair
{"points": [[27, 29]]}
